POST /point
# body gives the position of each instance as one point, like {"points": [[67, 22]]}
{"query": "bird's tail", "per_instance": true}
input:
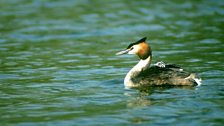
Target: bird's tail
{"points": [[196, 79]]}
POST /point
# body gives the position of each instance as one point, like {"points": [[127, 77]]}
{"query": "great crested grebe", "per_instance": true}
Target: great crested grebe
{"points": [[160, 74]]}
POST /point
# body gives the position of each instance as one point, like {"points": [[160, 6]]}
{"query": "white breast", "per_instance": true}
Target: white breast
{"points": [[141, 66]]}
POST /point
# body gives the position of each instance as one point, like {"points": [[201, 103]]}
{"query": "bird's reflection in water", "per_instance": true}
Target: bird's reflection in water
{"points": [[142, 98]]}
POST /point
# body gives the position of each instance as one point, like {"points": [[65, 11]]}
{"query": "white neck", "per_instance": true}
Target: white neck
{"points": [[141, 66]]}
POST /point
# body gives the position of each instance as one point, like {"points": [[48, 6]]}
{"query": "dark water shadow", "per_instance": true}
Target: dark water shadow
{"points": [[151, 90], [143, 96]]}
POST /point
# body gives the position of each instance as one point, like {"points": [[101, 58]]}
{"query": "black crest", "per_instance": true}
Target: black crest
{"points": [[139, 41]]}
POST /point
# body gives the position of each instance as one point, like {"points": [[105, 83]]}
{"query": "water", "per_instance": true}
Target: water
{"points": [[58, 63]]}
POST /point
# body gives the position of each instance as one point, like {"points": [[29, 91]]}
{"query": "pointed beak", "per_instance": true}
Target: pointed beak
{"points": [[123, 52]]}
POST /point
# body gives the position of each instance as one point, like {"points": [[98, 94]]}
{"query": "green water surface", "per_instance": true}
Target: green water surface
{"points": [[58, 64]]}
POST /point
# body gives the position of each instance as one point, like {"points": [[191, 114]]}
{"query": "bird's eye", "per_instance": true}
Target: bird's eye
{"points": [[131, 48]]}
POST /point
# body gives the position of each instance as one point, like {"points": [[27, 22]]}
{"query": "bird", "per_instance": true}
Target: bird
{"points": [[143, 74]]}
